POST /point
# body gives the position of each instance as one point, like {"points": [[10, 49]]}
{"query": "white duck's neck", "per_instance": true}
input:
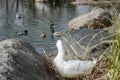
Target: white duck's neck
{"points": [[61, 52]]}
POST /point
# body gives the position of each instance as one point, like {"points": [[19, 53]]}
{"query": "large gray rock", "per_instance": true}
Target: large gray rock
{"points": [[97, 18], [20, 61]]}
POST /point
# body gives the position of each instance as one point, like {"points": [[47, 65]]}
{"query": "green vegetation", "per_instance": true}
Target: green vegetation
{"points": [[115, 51]]}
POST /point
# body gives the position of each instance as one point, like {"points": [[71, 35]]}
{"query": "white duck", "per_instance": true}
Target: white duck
{"points": [[71, 68]]}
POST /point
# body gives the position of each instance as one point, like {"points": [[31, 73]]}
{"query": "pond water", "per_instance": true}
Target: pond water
{"points": [[36, 18]]}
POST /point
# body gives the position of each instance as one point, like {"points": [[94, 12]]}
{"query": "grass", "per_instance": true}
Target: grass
{"points": [[115, 51]]}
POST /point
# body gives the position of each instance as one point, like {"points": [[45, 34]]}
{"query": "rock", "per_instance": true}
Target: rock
{"points": [[94, 2], [86, 43], [97, 18], [20, 61]]}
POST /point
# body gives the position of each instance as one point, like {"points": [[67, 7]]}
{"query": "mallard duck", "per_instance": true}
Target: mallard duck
{"points": [[43, 35], [51, 28], [25, 32], [18, 16], [71, 68]]}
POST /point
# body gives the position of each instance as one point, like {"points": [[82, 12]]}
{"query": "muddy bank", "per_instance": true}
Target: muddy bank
{"points": [[20, 61]]}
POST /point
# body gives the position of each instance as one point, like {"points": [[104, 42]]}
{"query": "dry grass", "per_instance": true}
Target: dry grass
{"points": [[115, 51]]}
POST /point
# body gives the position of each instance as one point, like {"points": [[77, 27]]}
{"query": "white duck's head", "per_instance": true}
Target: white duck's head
{"points": [[59, 43]]}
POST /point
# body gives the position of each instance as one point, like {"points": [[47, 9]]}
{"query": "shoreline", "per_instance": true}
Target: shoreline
{"points": [[93, 2]]}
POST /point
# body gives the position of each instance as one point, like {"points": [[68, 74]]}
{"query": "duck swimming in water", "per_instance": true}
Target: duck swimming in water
{"points": [[43, 35], [25, 32], [71, 68], [18, 16], [51, 28]]}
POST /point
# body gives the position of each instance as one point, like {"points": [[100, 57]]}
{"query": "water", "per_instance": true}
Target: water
{"points": [[36, 18]]}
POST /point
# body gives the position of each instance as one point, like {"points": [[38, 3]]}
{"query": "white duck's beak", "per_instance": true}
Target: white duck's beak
{"points": [[56, 33]]}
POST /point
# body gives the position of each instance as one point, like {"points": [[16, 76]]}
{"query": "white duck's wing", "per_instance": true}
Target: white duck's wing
{"points": [[74, 67]]}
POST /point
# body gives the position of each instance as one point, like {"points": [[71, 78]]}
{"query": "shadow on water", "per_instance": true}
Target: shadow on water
{"points": [[55, 4]]}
